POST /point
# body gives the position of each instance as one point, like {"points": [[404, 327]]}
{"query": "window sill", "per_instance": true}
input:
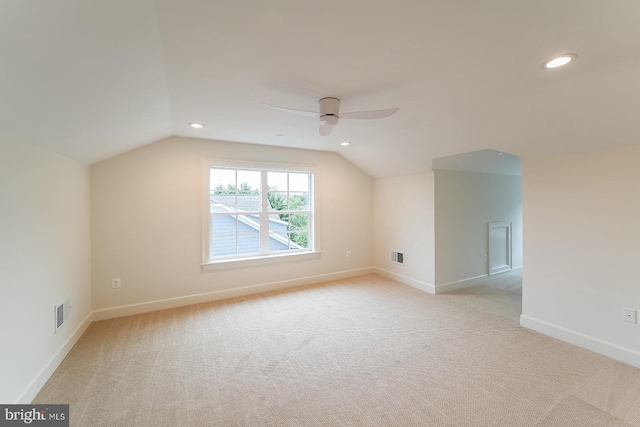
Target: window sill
{"points": [[259, 261]]}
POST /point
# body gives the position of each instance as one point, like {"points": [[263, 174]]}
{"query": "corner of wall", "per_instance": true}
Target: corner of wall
{"points": [[423, 286], [49, 368]]}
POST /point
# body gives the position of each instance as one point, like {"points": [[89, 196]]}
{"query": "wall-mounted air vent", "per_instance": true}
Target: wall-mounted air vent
{"points": [[397, 257], [61, 313]]}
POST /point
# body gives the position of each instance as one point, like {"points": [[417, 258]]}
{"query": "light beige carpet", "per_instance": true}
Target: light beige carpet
{"points": [[364, 351]]}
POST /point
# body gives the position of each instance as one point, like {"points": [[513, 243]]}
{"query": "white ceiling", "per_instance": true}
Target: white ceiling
{"points": [[90, 79]]}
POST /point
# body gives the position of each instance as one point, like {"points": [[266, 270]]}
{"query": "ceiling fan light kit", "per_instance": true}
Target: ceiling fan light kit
{"points": [[329, 113]]}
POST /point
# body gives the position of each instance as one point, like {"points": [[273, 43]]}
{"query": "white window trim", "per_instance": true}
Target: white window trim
{"points": [[254, 260]]}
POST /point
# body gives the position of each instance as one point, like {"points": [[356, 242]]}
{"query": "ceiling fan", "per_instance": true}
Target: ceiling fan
{"points": [[330, 113]]}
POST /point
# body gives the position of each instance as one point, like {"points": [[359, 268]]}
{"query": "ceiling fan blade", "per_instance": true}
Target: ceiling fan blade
{"points": [[325, 130], [366, 115], [291, 110]]}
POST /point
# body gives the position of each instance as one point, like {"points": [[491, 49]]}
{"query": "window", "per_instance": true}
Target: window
{"points": [[257, 212]]}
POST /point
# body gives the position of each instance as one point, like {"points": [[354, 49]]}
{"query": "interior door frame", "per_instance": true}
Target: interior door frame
{"points": [[509, 265]]}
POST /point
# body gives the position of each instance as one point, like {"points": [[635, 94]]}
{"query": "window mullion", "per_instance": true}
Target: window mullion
{"points": [[237, 217], [264, 215]]}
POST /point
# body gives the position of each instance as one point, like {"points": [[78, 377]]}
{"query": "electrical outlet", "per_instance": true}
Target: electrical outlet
{"points": [[348, 254], [630, 315], [116, 283]]}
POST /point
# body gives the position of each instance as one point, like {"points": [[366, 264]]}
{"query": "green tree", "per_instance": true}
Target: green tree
{"points": [[298, 223], [298, 228], [277, 201], [219, 189], [245, 188]]}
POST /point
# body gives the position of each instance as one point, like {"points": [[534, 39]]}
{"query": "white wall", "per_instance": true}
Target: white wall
{"points": [[404, 221], [44, 258], [582, 250], [465, 202], [146, 222]]}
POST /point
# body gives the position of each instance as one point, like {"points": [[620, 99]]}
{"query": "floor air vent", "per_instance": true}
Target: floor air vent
{"points": [[61, 313], [397, 257]]}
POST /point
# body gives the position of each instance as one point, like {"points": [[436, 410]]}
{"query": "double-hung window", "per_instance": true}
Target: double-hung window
{"points": [[257, 212]]}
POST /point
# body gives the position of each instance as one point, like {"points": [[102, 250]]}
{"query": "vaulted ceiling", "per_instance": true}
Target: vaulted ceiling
{"points": [[90, 79]]}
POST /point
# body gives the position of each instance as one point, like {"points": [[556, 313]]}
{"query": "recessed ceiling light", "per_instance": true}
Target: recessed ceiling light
{"points": [[559, 61], [196, 125], [345, 143]]}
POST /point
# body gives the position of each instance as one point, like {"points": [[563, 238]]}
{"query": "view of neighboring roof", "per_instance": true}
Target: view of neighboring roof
{"points": [[248, 227], [248, 236], [243, 202]]}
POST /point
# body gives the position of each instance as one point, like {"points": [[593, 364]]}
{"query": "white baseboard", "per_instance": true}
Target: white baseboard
{"points": [[45, 373], [467, 283], [596, 345], [460, 284], [423, 286], [145, 307]]}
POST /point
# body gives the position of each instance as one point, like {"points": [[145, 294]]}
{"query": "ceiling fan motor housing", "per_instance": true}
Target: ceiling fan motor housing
{"points": [[329, 106]]}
